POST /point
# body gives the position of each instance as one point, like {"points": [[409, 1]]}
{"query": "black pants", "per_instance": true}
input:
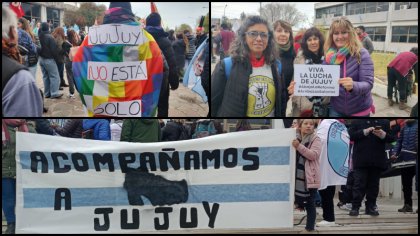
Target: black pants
{"points": [[407, 183], [163, 104], [394, 76], [366, 182], [327, 200], [311, 211]]}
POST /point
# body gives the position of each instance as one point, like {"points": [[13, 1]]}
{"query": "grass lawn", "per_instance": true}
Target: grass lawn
{"points": [[380, 61]]}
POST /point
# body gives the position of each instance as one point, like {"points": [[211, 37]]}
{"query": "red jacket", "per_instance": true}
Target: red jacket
{"points": [[403, 62], [227, 39]]}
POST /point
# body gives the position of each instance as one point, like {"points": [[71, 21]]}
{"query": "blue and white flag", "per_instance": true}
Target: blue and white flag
{"points": [[334, 157], [230, 181], [192, 76]]}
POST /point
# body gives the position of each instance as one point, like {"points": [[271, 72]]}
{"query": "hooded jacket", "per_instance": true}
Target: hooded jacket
{"points": [[101, 128], [141, 131]]}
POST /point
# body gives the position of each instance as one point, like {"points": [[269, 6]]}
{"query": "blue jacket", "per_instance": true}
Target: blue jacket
{"points": [[407, 141], [101, 128]]}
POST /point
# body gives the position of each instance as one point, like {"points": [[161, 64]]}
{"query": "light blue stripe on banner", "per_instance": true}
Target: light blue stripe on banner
{"points": [[267, 156], [83, 197]]}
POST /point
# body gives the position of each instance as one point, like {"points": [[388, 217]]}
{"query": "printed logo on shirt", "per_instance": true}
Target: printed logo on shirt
{"points": [[261, 96]]}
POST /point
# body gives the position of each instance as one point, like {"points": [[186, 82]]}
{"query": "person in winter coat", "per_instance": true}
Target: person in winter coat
{"points": [[406, 150], [153, 26], [8, 170], [356, 71], [191, 48], [369, 160], [311, 52], [308, 178], [173, 129], [283, 34], [48, 55], [100, 127], [398, 69], [43, 126], [73, 128], [141, 131], [364, 38], [180, 49], [254, 86]]}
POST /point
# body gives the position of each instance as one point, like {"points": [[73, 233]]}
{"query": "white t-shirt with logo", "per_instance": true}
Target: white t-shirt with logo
{"points": [[261, 92]]}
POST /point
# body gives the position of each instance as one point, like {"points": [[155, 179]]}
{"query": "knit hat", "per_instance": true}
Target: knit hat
{"points": [[125, 5], [153, 19]]}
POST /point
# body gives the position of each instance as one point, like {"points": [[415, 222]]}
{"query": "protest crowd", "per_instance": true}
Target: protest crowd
{"points": [[60, 52], [367, 142], [255, 76]]}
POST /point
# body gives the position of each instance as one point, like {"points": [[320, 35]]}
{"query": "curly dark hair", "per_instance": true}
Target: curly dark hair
{"points": [[313, 32], [239, 49]]}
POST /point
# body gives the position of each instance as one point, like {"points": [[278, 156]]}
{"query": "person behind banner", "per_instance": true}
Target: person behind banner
{"points": [[141, 131], [343, 48], [73, 128], [308, 178], [369, 160], [249, 83], [8, 170], [405, 150], [283, 35], [100, 127], [311, 52]]}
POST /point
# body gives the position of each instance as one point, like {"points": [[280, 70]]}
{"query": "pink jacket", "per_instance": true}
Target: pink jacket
{"points": [[312, 170]]}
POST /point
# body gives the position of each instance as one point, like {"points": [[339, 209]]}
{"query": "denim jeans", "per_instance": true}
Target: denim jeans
{"points": [[311, 211], [8, 198], [50, 77]]}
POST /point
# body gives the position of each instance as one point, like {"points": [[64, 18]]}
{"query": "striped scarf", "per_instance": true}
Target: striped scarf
{"points": [[334, 57]]}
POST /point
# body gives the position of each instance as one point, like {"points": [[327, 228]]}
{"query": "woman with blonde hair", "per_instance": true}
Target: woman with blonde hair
{"points": [[343, 48]]}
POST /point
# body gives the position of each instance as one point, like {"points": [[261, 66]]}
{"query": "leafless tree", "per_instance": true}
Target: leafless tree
{"points": [[287, 12]]}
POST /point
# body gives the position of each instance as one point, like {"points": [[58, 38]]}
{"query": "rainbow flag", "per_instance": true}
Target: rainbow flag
{"points": [[119, 78]]}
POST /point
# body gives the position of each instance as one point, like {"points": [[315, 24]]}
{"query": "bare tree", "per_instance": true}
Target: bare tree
{"points": [[287, 12]]}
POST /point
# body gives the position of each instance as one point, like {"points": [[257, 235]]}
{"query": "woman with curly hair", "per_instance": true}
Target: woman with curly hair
{"points": [[249, 83]]}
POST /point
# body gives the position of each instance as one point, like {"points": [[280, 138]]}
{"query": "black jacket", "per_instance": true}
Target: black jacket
{"points": [[171, 131], [73, 128], [229, 97], [165, 45], [287, 60], [369, 151], [49, 49], [179, 50], [205, 76]]}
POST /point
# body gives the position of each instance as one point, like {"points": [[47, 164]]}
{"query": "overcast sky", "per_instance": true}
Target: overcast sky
{"points": [[172, 13], [234, 9]]}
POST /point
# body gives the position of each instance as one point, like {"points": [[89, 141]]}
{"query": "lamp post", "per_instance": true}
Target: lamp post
{"points": [[224, 11]]}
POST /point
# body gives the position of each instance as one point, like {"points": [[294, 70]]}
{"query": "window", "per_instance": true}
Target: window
{"points": [[405, 34], [406, 5], [336, 11], [377, 34], [32, 11], [53, 16], [366, 7]]}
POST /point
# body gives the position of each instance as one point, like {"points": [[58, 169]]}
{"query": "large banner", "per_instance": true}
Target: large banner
{"points": [[334, 158], [240, 180]]}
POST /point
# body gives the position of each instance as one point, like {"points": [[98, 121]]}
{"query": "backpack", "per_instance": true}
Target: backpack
{"points": [[228, 66], [204, 129], [185, 133]]}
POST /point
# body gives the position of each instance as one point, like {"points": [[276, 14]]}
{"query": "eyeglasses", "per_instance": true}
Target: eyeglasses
{"points": [[254, 35]]}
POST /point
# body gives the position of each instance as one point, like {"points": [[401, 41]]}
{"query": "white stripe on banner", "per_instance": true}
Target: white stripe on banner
{"points": [[265, 174], [231, 181]]}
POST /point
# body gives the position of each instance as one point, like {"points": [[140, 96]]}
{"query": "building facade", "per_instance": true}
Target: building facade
{"points": [[392, 26]]}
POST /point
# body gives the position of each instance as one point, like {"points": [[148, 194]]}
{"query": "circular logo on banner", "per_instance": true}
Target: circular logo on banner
{"points": [[337, 149]]}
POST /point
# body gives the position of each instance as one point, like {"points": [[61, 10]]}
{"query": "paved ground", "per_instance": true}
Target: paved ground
{"points": [[379, 100], [182, 103], [389, 217]]}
